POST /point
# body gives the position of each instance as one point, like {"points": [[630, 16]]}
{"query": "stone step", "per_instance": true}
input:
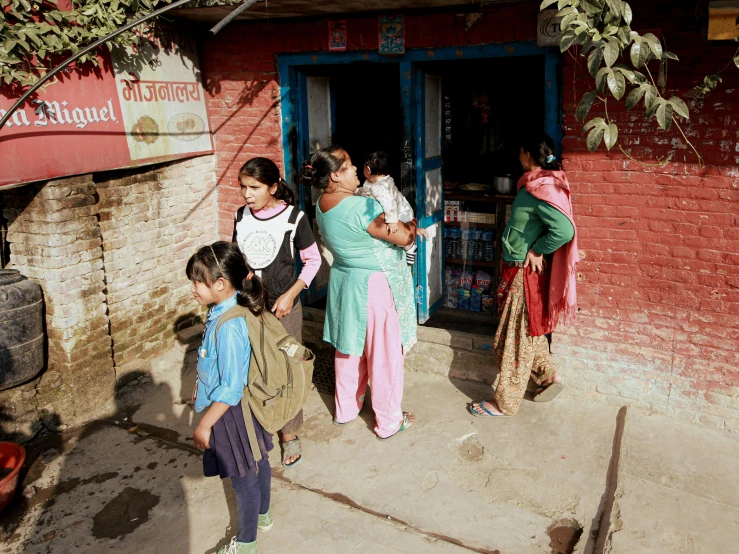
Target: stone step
{"points": [[188, 339], [455, 354]]}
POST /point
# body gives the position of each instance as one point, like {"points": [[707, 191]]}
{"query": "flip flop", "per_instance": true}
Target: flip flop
{"points": [[403, 427], [333, 420], [488, 413], [548, 393], [291, 448]]}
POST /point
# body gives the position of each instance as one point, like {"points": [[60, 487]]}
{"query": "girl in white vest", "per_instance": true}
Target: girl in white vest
{"points": [[270, 230]]}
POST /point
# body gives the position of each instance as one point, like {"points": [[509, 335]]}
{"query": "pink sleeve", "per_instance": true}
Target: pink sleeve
{"points": [[311, 263]]}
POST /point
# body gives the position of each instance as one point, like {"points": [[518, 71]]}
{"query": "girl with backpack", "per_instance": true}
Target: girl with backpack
{"points": [[220, 279], [269, 230]]}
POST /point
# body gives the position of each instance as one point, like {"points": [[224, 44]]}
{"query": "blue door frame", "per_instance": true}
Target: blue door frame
{"points": [[292, 67]]}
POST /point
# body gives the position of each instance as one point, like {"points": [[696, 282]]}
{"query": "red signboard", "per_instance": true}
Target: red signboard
{"points": [[110, 118]]}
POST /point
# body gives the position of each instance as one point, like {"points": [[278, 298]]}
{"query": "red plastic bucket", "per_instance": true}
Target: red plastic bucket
{"points": [[12, 456]]}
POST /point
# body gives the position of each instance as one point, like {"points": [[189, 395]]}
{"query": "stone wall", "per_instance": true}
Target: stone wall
{"points": [[109, 251]]}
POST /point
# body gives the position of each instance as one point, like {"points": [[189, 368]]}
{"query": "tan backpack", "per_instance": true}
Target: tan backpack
{"points": [[280, 373]]}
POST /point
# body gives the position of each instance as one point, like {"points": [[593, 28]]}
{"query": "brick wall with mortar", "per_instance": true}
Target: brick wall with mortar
{"points": [[55, 241], [658, 282], [151, 222], [109, 251]]}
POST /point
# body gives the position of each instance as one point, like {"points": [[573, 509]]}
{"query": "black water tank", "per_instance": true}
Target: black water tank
{"points": [[21, 329]]}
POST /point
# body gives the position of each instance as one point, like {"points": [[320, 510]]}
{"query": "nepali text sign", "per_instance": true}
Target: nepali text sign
{"points": [[142, 106]]}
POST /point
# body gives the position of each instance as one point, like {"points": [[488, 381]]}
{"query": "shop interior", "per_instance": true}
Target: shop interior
{"points": [[488, 106]]}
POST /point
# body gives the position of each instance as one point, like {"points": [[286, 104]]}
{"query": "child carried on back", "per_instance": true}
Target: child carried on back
{"points": [[381, 186]]}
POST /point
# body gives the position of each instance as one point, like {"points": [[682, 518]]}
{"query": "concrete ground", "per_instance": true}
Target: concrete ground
{"points": [[613, 480]]}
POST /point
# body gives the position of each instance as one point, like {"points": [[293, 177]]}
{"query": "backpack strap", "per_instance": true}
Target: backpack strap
{"points": [[236, 312], [251, 431]]}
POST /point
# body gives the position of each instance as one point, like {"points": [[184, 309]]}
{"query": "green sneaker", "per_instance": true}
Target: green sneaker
{"points": [[265, 522], [236, 547]]}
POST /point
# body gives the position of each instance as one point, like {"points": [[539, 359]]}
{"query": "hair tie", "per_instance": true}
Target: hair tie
{"points": [[308, 166], [550, 158], [216, 259]]}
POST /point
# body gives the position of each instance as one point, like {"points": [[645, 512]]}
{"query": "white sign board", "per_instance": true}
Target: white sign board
{"points": [[162, 99], [548, 32]]}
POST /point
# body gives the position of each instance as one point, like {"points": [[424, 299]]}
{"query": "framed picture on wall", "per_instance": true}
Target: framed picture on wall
{"points": [[337, 36], [392, 34]]}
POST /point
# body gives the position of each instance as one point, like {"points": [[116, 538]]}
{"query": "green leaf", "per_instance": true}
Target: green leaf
{"points": [[624, 35], [595, 122], [611, 19], [566, 20], [585, 104], [566, 41], [736, 58], [634, 77], [680, 107], [650, 97], [594, 60], [615, 6], [626, 12], [670, 56], [610, 135], [639, 53], [654, 45], [562, 3], [601, 77], [595, 137], [569, 10], [616, 84], [634, 97], [545, 4], [9, 59], [34, 38], [587, 47], [611, 53], [664, 114], [592, 7], [9, 44]]}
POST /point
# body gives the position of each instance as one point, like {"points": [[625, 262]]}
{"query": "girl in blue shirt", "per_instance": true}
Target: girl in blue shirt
{"points": [[220, 279]]}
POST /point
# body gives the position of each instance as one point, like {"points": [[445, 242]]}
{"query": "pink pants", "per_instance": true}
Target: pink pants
{"points": [[381, 364]]}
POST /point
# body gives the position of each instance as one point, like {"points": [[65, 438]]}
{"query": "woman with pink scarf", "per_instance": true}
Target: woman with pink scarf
{"points": [[537, 282]]}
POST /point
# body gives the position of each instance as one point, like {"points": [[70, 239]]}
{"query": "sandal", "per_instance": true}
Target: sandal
{"points": [[333, 420], [403, 427], [291, 448], [548, 393], [481, 405]]}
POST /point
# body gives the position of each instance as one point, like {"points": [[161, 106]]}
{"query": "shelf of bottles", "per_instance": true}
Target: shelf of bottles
{"points": [[472, 251]]}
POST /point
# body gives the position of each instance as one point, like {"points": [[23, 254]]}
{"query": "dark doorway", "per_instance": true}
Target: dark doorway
{"points": [[368, 115]]}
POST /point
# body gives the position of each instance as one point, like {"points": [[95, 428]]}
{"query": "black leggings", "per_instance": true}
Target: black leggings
{"points": [[252, 499]]}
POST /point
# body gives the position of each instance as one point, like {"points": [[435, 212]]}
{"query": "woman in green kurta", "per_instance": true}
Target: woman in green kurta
{"points": [[533, 293], [370, 311]]}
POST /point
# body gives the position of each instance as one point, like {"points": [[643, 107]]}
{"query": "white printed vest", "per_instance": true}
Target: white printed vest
{"points": [[268, 247]]}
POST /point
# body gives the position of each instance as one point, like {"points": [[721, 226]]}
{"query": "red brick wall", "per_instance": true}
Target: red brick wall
{"points": [[240, 69], [658, 282]]}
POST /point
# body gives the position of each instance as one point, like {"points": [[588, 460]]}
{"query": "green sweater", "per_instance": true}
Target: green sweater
{"points": [[534, 224]]}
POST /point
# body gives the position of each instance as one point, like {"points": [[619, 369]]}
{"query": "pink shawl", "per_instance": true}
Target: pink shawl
{"points": [[553, 188]]}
